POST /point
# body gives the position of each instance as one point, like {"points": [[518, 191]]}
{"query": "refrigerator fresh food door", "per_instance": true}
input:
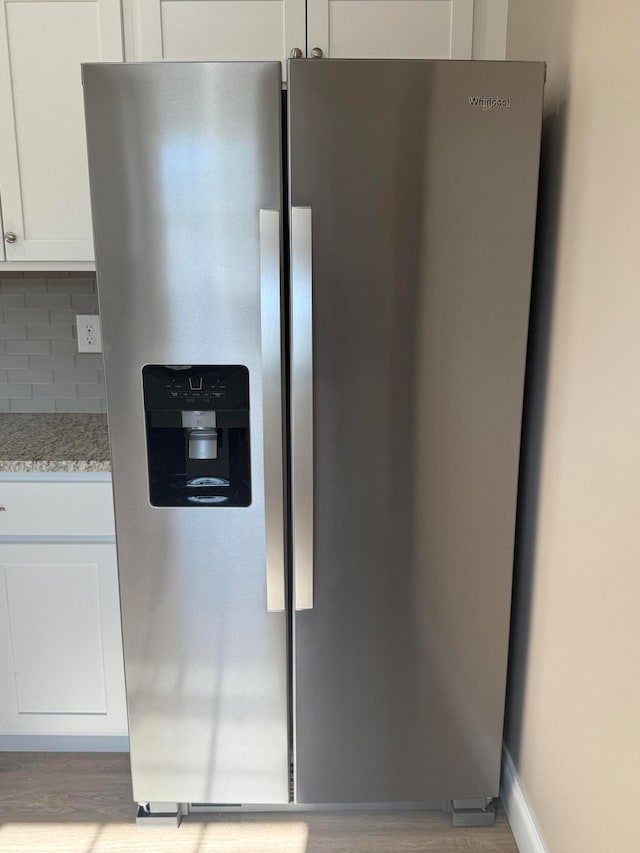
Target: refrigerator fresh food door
{"points": [[413, 194], [185, 164]]}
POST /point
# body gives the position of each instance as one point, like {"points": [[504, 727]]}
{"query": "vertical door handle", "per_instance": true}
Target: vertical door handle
{"points": [[270, 313], [302, 406]]}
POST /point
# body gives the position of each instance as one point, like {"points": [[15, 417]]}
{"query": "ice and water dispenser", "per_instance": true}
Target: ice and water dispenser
{"points": [[197, 419]]}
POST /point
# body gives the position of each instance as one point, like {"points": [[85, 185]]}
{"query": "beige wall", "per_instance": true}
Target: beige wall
{"points": [[573, 721]]}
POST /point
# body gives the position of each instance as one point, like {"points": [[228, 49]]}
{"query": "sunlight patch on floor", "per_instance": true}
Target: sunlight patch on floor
{"points": [[214, 837]]}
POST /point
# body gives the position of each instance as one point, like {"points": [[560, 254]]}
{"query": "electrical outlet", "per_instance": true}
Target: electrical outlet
{"points": [[89, 333]]}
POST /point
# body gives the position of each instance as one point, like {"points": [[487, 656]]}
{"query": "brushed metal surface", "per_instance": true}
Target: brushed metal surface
{"points": [[302, 406], [182, 158], [271, 342], [423, 222]]}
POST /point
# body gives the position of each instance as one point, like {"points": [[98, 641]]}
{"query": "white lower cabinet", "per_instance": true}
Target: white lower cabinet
{"points": [[61, 668], [60, 647]]}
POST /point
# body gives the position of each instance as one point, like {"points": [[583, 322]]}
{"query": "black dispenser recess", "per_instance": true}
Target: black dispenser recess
{"points": [[197, 419]]}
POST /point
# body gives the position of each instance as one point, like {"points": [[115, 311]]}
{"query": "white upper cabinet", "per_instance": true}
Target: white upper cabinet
{"points": [[44, 186], [217, 29], [393, 29], [271, 29], [44, 183]]}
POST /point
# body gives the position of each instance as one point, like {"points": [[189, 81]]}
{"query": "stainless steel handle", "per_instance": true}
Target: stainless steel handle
{"points": [[302, 406], [296, 53], [9, 237], [316, 53], [270, 285]]}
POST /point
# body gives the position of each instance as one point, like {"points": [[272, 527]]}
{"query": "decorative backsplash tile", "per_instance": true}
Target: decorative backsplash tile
{"points": [[41, 369]]}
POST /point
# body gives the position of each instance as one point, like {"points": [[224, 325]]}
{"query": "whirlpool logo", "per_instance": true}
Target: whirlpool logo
{"points": [[489, 103]]}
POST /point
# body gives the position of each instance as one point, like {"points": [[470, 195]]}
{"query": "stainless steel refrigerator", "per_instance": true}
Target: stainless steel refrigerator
{"points": [[314, 310]]}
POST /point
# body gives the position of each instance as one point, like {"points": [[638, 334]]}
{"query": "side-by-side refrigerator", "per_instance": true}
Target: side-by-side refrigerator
{"points": [[314, 308]]}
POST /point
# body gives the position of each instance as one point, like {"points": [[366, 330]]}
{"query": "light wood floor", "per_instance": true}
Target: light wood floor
{"points": [[82, 803]]}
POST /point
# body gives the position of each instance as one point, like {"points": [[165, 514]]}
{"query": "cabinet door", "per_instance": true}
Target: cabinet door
{"points": [[251, 30], [391, 29], [61, 668], [44, 182]]}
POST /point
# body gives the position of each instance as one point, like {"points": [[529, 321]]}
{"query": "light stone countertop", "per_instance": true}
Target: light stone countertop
{"points": [[53, 443]]}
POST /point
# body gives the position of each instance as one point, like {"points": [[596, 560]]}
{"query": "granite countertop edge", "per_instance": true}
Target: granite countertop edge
{"points": [[22, 466], [62, 443]]}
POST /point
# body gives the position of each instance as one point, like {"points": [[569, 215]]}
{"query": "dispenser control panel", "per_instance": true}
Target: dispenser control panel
{"points": [[202, 386], [196, 387]]}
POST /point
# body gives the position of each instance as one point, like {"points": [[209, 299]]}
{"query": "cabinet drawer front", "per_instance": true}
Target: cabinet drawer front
{"points": [[56, 509]]}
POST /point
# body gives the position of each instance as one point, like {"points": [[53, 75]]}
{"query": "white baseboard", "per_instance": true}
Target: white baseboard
{"points": [[519, 813], [64, 743]]}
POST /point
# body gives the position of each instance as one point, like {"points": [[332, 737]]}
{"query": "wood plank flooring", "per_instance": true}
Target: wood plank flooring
{"points": [[82, 803]]}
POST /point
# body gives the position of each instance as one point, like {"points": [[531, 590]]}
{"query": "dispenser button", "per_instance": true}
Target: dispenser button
{"points": [[174, 394]]}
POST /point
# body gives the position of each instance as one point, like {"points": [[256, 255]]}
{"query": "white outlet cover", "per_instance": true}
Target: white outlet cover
{"points": [[89, 333]]}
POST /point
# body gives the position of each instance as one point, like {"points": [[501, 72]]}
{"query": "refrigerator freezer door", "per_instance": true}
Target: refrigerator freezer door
{"points": [[421, 177], [183, 158]]}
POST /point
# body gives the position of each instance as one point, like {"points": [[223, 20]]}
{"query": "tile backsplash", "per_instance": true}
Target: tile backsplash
{"points": [[41, 369]]}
